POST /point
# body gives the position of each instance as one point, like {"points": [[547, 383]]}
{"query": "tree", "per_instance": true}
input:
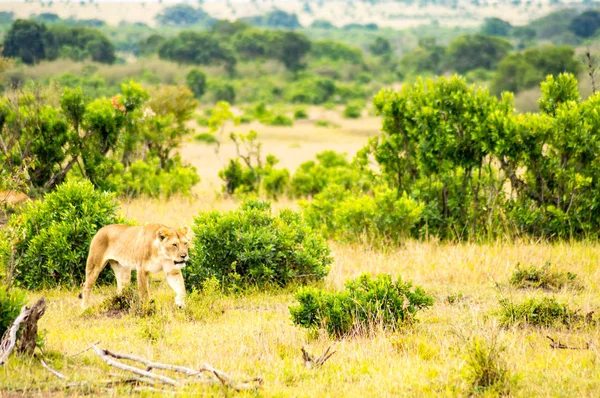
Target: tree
{"points": [[184, 15], [290, 48], [476, 51], [336, 51], [520, 71], [197, 48], [275, 19], [586, 24], [496, 27], [227, 29], [196, 81], [380, 46], [25, 40], [427, 57], [151, 44]]}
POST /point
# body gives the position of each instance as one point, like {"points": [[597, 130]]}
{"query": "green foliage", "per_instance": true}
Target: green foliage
{"points": [[249, 246], [380, 46], [353, 111], [476, 51], [198, 48], [11, 302], [545, 312], [586, 24], [311, 90], [196, 81], [366, 304], [279, 120], [486, 369], [545, 277], [274, 19], [25, 40], [150, 44], [300, 113], [524, 70], [222, 91], [184, 15], [51, 238], [496, 27], [335, 51]]}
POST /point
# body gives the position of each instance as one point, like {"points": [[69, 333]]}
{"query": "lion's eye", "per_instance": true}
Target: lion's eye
{"points": [[175, 244]]}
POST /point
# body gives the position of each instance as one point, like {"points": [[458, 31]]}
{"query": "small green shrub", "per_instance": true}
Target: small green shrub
{"points": [[545, 312], [352, 111], [11, 302], [486, 368], [300, 113], [279, 120], [545, 277], [51, 238], [207, 138], [323, 123], [365, 304], [249, 246]]}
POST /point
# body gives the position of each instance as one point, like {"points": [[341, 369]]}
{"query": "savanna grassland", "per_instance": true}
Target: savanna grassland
{"points": [[251, 335]]}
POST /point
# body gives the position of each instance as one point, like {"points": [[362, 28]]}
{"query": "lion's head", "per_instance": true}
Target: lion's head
{"points": [[174, 244]]}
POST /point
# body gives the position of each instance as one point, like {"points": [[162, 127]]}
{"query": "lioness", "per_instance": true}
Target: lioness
{"points": [[148, 248]]}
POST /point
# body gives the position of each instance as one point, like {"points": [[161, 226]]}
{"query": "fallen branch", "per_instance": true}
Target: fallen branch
{"points": [[54, 372], [222, 377], [312, 362], [106, 355], [558, 345], [87, 349]]}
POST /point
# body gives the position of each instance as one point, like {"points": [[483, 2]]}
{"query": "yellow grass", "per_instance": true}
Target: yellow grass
{"points": [[252, 335]]}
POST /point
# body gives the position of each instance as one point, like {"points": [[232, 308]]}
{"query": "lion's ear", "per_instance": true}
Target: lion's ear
{"points": [[185, 230], [163, 233]]}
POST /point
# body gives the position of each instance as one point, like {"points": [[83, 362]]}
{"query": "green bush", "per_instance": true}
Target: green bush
{"points": [[365, 304], [352, 111], [379, 217], [546, 312], [146, 178], [300, 113], [279, 120], [11, 302], [249, 246], [545, 277], [51, 238]]}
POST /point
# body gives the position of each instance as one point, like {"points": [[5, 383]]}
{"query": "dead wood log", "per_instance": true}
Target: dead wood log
{"points": [[29, 318]]}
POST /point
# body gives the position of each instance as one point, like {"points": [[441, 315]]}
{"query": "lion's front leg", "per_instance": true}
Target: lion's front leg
{"points": [[142, 282], [175, 280]]}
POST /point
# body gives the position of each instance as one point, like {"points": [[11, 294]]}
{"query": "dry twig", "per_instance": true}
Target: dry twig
{"points": [[312, 362], [557, 344], [54, 372]]}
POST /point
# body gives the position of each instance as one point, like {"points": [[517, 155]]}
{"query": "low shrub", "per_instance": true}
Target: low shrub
{"points": [[545, 312], [486, 369], [11, 302], [366, 304], [279, 120], [51, 238], [352, 111], [300, 113], [249, 246], [378, 217], [545, 277], [207, 138]]}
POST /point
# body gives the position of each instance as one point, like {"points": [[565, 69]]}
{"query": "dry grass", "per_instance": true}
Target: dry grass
{"points": [[253, 336]]}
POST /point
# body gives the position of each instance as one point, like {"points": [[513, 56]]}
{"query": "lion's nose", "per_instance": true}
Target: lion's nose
{"points": [[183, 256]]}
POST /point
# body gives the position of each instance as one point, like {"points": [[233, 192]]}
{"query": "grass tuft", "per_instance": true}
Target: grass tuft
{"points": [[486, 369], [546, 277]]}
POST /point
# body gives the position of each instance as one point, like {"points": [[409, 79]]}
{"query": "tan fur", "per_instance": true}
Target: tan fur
{"points": [[147, 249], [13, 198]]}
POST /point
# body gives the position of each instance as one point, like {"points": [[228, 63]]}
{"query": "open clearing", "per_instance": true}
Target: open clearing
{"points": [[252, 335]]}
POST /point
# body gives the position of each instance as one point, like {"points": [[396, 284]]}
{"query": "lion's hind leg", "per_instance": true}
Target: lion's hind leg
{"points": [[95, 264]]}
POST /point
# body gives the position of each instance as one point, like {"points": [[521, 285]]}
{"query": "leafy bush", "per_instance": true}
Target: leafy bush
{"points": [[545, 277], [300, 113], [11, 302], [365, 304], [546, 312], [148, 179], [279, 120], [51, 238], [352, 111], [249, 246], [377, 218], [486, 368], [196, 81]]}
